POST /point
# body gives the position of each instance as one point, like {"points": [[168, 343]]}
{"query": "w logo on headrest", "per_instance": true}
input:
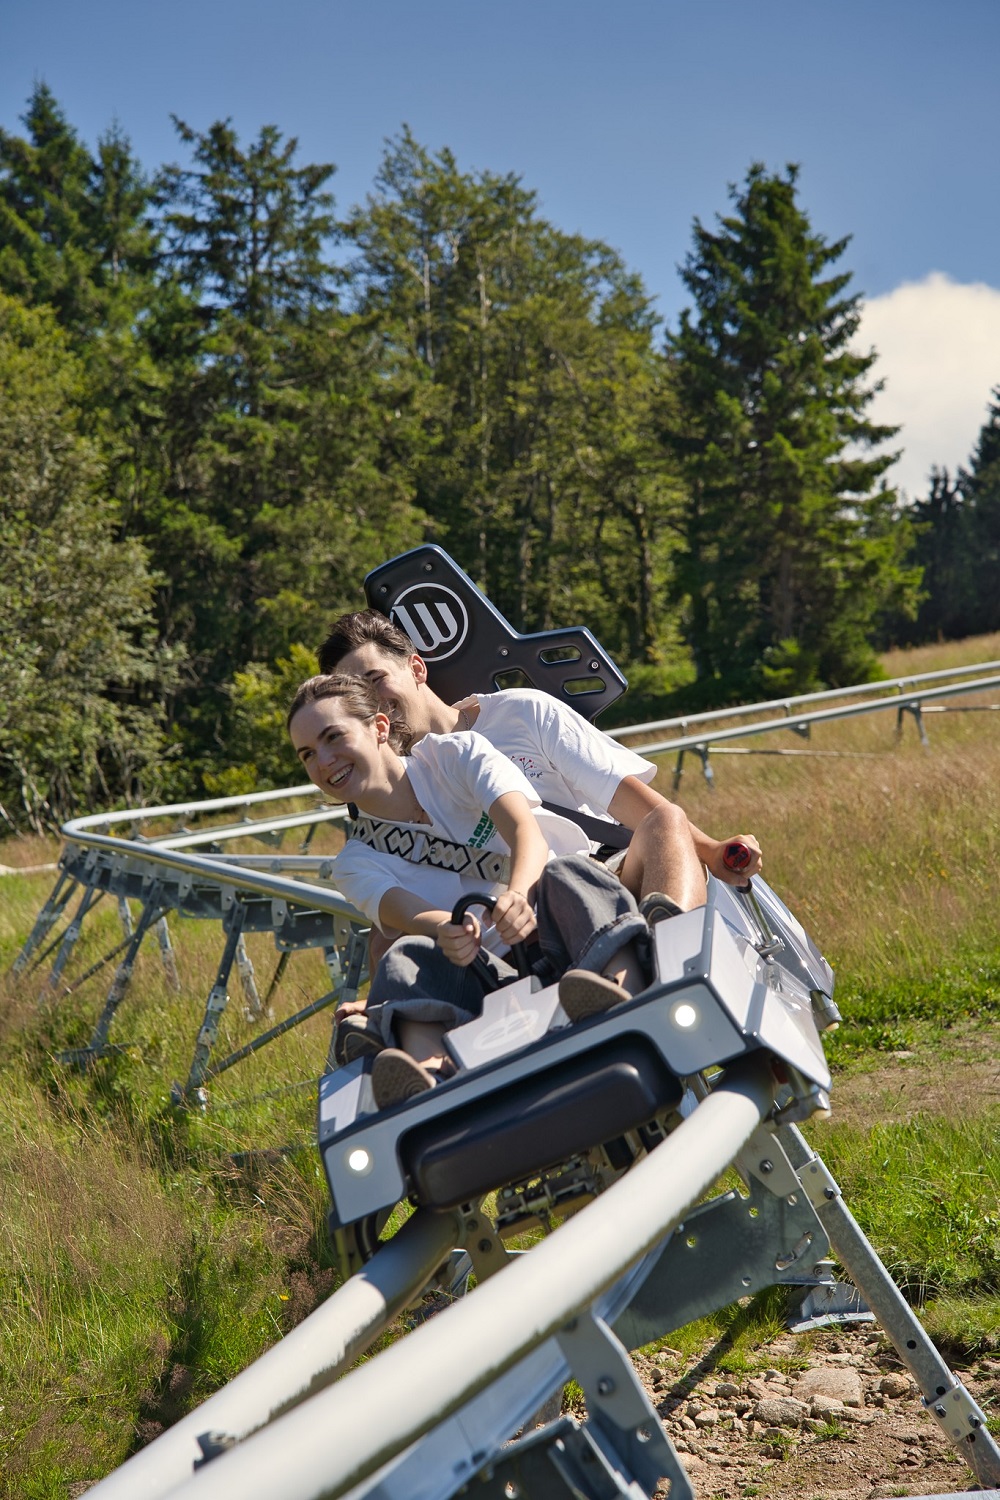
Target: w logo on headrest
{"points": [[434, 618]]}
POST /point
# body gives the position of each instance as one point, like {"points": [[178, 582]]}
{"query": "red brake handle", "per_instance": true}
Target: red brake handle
{"points": [[736, 856]]}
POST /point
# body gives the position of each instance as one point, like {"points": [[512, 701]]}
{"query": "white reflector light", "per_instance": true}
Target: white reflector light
{"points": [[685, 1015], [359, 1160]]}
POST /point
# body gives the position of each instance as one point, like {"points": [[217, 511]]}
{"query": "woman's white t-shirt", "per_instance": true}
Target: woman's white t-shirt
{"points": [[456, 778]]}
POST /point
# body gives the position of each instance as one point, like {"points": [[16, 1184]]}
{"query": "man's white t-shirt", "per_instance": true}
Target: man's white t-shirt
{"points": [[568, 762], [456, 778]]}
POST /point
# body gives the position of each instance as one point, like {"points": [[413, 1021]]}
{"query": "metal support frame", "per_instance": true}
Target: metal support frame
{"points": [[167, 954], [623, 1451], [253, 1009], [218, 999], [89, 898], [913, 707], [948, 1401], [151, 913], [702, 752], [131, 872], [49, 915]]}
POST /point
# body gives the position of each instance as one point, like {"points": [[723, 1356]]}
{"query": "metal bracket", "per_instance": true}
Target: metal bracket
{"points": [[957, 1414], [625, 1423], [728, 1248], [818, 1182], [483, 1245]]}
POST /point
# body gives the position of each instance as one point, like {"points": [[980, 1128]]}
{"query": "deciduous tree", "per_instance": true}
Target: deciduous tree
{"points": [[81, 676]]}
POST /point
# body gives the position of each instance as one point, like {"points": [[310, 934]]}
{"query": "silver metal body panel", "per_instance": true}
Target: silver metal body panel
{"points": [[714, 998]]}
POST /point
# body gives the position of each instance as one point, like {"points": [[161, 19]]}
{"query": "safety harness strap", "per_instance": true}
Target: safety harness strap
{"points": [[411, 843]]}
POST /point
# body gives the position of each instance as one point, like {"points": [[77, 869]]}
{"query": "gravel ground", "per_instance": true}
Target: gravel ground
{"points": [[840, 1418]]}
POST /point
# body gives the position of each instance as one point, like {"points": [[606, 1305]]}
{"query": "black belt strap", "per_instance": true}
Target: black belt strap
{"points": [[602, 831]]}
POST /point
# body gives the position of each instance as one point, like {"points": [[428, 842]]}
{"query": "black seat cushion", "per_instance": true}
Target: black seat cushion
{"points": [[537, 1122]]}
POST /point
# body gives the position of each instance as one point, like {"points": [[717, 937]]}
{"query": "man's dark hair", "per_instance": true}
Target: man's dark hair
{"points": [[363, 627]]}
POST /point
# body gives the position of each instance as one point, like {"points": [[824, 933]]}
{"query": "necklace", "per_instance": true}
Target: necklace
{"points": [[464, 717]]}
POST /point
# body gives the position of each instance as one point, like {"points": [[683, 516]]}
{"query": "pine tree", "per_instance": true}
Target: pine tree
{"points": [[281, 486], [793, 547], [980, 488]]}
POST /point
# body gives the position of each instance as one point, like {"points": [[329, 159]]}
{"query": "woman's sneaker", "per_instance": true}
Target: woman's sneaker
{"points": [[357, 1036], [396, 1076]]}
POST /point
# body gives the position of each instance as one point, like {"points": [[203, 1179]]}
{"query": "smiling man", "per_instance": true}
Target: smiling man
{"points": [[568, 762]]}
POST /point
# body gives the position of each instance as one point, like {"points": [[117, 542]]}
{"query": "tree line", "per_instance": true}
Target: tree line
{"points": [[221, 404]]}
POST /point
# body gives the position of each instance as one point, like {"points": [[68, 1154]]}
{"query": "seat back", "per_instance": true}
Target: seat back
{"points": [[468, 645]]}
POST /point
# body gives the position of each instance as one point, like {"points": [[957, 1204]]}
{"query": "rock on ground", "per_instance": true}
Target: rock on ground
{"points": [[787, 1432]]}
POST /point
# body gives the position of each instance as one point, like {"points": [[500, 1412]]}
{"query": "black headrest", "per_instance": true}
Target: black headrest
{"points": [[468, 645]]}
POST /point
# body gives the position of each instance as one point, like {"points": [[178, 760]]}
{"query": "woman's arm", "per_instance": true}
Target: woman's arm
{"points": [[514, 912], [408, 912]]}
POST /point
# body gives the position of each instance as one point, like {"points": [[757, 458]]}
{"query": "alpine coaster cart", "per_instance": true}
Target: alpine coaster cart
{"points": [[617, 1127]]}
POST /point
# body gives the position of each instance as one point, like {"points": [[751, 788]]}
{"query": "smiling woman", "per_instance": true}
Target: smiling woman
{"points": [[452, 818]]}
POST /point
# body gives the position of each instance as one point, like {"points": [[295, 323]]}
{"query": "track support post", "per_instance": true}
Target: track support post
{"points": [[218, 999], [45, 921], [948, 1401], [90, 895]]}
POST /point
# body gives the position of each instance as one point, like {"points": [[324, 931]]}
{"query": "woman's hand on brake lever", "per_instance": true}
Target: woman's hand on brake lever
{"points": [[460, 941], [514, 918]]}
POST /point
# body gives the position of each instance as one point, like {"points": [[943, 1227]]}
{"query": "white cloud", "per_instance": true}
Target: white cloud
{"points": [[938, 343]]}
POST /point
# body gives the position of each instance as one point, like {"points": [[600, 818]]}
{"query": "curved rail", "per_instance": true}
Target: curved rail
{"points": [[900, 685], [820, 716], [387, 1403], [298, 1365]]}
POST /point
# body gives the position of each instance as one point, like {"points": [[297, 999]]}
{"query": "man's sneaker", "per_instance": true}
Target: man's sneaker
{"points": [[357, 1036], [396, 1076], [656, 906], [583, 993]]}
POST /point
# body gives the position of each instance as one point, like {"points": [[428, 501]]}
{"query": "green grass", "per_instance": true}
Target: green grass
{"points": [[147, 1255]]}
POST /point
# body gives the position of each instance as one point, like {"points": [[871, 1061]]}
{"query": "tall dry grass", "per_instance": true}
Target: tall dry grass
{"points": [[145, 1258], [888, 852]]}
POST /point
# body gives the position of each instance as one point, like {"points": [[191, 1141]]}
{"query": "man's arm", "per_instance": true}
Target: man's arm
{"points": [[633, 800]]}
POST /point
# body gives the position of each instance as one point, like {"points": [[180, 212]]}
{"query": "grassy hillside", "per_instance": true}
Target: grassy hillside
{"points": [[147, 1256]]}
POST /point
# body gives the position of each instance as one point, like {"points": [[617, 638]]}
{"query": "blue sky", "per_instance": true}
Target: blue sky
{"points": [[628, 119]]}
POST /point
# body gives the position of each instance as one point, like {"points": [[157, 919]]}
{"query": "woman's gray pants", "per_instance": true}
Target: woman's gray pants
{"points": [[584, 916]]}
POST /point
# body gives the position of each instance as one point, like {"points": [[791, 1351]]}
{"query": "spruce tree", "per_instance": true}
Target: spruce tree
{"points": [[792, 547], [980, 487]]}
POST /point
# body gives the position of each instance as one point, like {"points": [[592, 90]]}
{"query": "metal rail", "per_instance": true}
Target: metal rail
{"points": [[227, 874], [702, 744], [298, 1365], [899, 684], [384, 1405]]}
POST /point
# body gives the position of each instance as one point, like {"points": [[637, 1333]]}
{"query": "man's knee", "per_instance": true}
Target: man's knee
{"points": [[664, 822]]}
